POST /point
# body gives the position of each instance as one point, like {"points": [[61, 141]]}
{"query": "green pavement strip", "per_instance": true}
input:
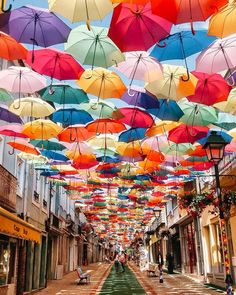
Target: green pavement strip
{"points": [[124, 283]]}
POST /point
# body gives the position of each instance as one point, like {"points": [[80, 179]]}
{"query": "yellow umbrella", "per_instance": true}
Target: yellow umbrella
{"points": [[33, 158], [176, 84], [103, 142], [161, 128], [102, 83], [41, 129], [228, 106], [81, 10], [31, 106], [223, 22]]}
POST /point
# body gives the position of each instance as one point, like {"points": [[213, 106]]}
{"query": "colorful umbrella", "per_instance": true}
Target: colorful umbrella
{"points": [[93, 47], [101, 109], [132, 134], [161, 128], [136, 118], [41, 129], [54, 155], [77, 10], [103, 142], [175, 84], [228, 106], [34, 25], [11, 49], [5, 96], [168, 110], [24, 146], [210, 89], [178, 11], [85, 162], [74, 134], [222, 23], [71, 116], [7, 116], [187, 134], [219, 56], [105, 126], [31, 106], [102, 83], [12, 130], [48, 145], [128, 25]]}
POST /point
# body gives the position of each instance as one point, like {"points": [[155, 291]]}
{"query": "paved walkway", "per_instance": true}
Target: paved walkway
{"points": [[68, 285], [176, 284]]}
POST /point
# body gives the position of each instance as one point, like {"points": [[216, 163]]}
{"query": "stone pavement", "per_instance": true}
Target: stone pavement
{"points": [[176, 284], [68, 286]]}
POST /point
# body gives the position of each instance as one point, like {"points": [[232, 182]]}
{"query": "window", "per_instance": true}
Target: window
{"points": [[20, 175], [36, 192], [7, 260]]}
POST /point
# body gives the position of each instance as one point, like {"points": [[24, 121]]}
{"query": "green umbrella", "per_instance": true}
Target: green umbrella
{"points": [[63, 94], [48, 145], [197, 114], [100, 109], [4, 95], [172, 148], [93, 47]]}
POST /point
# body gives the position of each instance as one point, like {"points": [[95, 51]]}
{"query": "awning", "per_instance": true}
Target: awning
{"points": [[14, 226]]}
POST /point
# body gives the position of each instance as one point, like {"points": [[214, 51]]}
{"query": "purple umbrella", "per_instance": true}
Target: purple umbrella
{"points": [[34, 25], [8, 116]]}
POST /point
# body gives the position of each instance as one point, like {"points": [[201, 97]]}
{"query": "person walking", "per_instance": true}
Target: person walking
{"points": [[122, 261], [117, 263]]}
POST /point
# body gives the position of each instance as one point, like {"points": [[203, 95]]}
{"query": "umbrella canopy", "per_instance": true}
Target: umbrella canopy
{"points": [[24, 146], [219, 56], [139, 65], [128, 25], [63, 94], [77, 10], [75, 134], [222, 23], [187, 134], [228, 106], [31, 106], [210, 89], [175, 84], [197, 114], [8, 116], [161, 128], [85, 162], [11, 49], [93, 47], [102, 83], [48, 145], [99, 109], [103, 142], [5, 96], [136, 118], [41, 129], [34, 25], [12, 130], [178, 11], [168, 110], [105, 126], [176, 149], [54, 155], [71, 116], [132, 134], [55, 64]]}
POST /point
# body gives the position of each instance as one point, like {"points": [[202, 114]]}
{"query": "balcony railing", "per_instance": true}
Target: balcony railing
{"points": [[8, 187]]}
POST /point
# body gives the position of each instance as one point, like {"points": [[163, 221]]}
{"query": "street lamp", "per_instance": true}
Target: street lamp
{"points": [[215, 148]]}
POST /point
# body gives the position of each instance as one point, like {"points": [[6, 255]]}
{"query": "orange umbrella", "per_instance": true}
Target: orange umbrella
{"points": [[149, 166], [24, 146], [105, 126], [75, 133], [161, 127], [85, 161], [132, 149], [155, 156], [10, 49], [198, 152]]}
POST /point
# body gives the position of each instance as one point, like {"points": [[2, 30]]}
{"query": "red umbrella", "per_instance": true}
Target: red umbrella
{"points": [[137, 30], [75, 133], [179, 11], [55, 64], [203, 166], [12, 130], [105, 126], [136, 118], [186, 133], [210, 89]]}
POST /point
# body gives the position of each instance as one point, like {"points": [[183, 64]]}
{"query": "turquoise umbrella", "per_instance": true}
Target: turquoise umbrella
{"points": [[93, 47], [48, 145]]}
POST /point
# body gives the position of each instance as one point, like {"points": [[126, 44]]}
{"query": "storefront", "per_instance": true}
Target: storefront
{"points": [[13, 231]]}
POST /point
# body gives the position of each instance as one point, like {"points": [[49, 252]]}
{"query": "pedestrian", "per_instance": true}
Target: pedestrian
{"points": [[122, 261], [170, 263], [160, 263], [117, 263]]}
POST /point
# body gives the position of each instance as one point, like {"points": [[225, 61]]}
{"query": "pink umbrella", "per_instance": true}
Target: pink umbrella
{"points": [[219, 56], [12, 130], [136, 118], [210, 89], [55, 64], [137, 30]]}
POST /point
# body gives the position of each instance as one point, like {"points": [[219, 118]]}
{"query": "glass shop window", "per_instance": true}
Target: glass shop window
{"points": [[4, 261]]}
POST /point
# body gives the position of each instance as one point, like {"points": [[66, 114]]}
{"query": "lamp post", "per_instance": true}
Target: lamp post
{"points": [[215, 147]]}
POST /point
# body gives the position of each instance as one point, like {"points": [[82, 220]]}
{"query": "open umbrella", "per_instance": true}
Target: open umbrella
{"points": [[85, 162], [128, 25], [210, 89], [31, 106], [168, 110], [8, 116], [71, 116], [5, 96], [48, 145], [13, 130], [24, 146], [93, 47], [103, 141], [54, 155], [81, 10], [222, 23], [102, 83], [75, 134], [11, 49], [229, 105], [219, 56], [136, 118], [105, 126], [132, 134], [34, 25], [41, 129], [63, 94], [161, 128], [101, 109], [178, 11]]}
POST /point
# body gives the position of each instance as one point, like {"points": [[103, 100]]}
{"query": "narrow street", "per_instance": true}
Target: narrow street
{"points": [[104, 280]]}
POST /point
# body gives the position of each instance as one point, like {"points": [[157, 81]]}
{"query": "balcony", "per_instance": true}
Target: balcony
{"points": [[8, 187]]}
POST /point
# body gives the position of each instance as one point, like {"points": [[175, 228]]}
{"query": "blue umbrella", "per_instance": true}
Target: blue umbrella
{"points": [[48, 173], [168, 110], [181, 45], [132, 134], [140, 99], [54, 155], [72, 116], [108, 159], [225, 135]]}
